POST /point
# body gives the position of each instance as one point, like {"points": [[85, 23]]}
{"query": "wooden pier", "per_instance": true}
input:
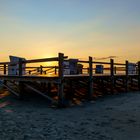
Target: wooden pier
{"points": [[51, 82]]}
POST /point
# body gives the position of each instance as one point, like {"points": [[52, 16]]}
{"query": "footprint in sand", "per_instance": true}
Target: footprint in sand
{"points": [[131, 121]]}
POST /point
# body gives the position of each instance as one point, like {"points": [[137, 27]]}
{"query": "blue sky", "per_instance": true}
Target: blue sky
{"points": [[76, 27]]}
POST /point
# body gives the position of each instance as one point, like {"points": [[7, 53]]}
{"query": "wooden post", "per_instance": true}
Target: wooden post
{"points": [[126, 73], [61, 78], [21, 89], [4, 72], [20, 86], [20, 67], [55, 70], [139, 75], [112, 75], [4, 67], [49, 88], [29, 72], [41, 69], [112, 67], [71, 90], [115, 70], [90, 79]]}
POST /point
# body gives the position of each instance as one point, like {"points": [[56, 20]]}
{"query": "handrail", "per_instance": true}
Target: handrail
{"points": [[2, 63], [119, 64], [43, 60], [35, 60], [96, 62]]}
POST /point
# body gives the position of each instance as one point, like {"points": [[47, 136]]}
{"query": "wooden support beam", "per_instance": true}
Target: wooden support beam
{"points": [[61, 80], [90, 94], [39, 92], [139, 75], [126, 73], [10, 89]]}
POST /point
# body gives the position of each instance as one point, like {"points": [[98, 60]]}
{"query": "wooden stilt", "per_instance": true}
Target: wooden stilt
{"points": [[4, 66], [71, 90], [90, 94], [61, 78], [4, 72], [21, 90], [112, 75], [126, 73], [55, 70], [139, 75], [115, 70], [49, 88]]}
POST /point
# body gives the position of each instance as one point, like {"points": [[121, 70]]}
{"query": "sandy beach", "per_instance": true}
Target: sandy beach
{"points": [[115, 117]]}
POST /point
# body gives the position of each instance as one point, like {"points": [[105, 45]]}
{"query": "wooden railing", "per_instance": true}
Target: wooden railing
{"points": [[111, 67]]}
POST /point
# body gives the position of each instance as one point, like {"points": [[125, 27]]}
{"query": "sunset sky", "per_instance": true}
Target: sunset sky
{"points": [[78, 28]]}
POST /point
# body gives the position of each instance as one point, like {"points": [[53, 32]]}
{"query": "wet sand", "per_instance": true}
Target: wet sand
{"points": [[110, 118]]}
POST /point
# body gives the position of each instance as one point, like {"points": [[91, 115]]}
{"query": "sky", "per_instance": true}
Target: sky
{"points": [[77, 28]]}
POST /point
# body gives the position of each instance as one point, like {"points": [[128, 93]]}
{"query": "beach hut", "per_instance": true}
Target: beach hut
{"points": [[70, 67], [66, 68], [13, 68], [79, 68], [73, 66], [131, 68], [99, 69]]}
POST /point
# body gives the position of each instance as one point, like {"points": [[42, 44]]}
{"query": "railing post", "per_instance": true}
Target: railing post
{"points": [[21, 85], [112, 67], [20, 67], [139, 75], [4, 69], [126, 73], [61, 78], [41, 69], [29, 72], [45, 72], [112, 75], [115, 70], [90, 79], [55, 70], [88, 70], [4, 72]]}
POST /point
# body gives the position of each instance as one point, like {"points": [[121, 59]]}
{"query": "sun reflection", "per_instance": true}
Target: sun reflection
{"points": [[3, 103]]}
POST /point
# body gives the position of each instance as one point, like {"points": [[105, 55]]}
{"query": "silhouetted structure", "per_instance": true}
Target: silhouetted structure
{"points": [[57, 85]]}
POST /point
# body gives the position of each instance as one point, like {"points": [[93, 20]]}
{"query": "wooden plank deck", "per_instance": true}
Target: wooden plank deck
{"points": [[55, 78]]}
